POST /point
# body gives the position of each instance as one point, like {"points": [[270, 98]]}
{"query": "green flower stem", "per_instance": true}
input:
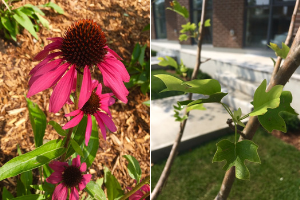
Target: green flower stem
{"points": [[136, 188], [78, 88]]}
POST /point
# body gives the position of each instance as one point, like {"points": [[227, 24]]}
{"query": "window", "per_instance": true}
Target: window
{"points": [[159, 18]]}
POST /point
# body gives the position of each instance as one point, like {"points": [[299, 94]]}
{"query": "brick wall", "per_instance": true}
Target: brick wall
{"points": [[171, 22], [181, 20], [228, 15]]}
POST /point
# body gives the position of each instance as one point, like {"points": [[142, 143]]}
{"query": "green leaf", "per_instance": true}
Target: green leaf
{"points": [[207, 23], [204, 86], [54, 7], [146, 28], [57, 128], [38, 122], [90, 151], [183, 37], [114, 190], [272, 119], [147, 103], [6, 195], [283, 52], [196, 107], [30, 197], [188, 27], [95, 191], [274, 62], [237, 114], [235, 155], [142, 55], [6, 22], [20, 188], [168, 61], [181, 10], [43, 21], [24, 21], [100, 181], [136, 53], [263, 100], [36, 9], [44, 187], [133, 168], [77, 148], [33, 159]]}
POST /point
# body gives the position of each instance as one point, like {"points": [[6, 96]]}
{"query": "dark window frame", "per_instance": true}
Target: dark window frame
{"points": [[155, 23]]}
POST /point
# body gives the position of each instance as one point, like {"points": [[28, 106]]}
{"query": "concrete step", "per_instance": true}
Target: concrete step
{"points": [[236, 99], [235, 82]]}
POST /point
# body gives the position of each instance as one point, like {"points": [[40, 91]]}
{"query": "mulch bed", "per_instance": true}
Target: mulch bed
{"points": [[292, 138], [122, 22]]}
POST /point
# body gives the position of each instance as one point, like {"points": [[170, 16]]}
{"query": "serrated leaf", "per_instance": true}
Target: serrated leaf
{"points": [[133, 168], [183, 37], [36, 9], [43, 21], [114, 190], [77, 148], [283, 52], [272, 119], [237, 114], [54, 7], [181, 10], [204, 86], [263, 100], [38, 122], [57, 128], [24, 21], [235, 155], [95, 191], [6, 195], [90, 151], [168, 61], [188, 27], [33, 159], [6, 22]]}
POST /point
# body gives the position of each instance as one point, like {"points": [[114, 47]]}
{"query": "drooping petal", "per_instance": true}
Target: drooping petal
{"points": [[45, 61], [58, 166], [85, 180], [74, 194], [83, 167], [62, 91], [76, 161], [73, 113], [86, 88], [55, 178], [47, 80], [88, 131], [101, 125], [60, 192], [118, 67], [73, 122], [113, 53], [108, 122], [54, 45], [99, 89]]}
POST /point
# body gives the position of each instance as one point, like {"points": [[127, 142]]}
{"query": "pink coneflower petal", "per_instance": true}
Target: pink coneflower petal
{"points": [[62, 91], [113, 53], [59, 39], [55, 178], [75, 112], [99, 89], [83, 167], [60, 192], [45, 61], [76, 161], [137, 195], [101, 125], [57, 166], [117, 66], [108, 122], [106, 100], [52, 46], [85, 179], [85, 91], [73, 122], [145, 188], [74, 194], [88, 131], [94, 84]]}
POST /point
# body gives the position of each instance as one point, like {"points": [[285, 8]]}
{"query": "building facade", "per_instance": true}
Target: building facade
{"points": [[234, 23]]}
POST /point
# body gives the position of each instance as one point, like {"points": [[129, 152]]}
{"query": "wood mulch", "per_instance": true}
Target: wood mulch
{"points": [[122, 22], [292, 138]]}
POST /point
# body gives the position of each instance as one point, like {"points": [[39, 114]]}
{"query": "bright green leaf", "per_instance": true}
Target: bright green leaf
{"points": [[57, 128], [33, 159], [100, 181], [272, 119], [114, 190], [133, 168], [214, 98], [6, 22], [196, 107], [235, 155], [207, 23], [283, 52], [237, 114], [95, 191], [147, 103], [188, 27], [181, 10], [36, 9], [263, 100], [38, 122], [6, 195], [30, 197], [77, 148], [43, 21], [183, 37], [24, 21], [54, 7], [168, 61]]}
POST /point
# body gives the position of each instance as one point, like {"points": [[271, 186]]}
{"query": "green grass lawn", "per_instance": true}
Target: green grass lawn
{"points": [[194, 176], [157, 85]]}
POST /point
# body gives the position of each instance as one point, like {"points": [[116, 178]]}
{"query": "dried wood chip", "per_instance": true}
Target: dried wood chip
{"points": [[16, 111]]}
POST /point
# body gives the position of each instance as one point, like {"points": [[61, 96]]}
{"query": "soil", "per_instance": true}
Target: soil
{"points": [[292, 138], [122, 22]]}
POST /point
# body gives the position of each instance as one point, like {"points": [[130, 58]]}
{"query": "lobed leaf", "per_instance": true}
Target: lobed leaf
{"points": [[188, 27], [237, 114], [283, 52]]}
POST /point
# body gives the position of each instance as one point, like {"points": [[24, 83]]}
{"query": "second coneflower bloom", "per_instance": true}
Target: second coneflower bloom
{"points": [[82, 47], [96, 105]]}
